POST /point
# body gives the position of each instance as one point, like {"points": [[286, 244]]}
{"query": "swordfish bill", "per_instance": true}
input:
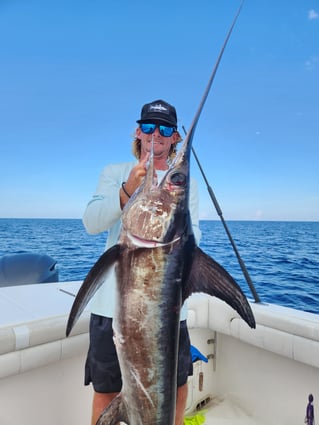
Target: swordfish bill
{"points": [[158, 266]]}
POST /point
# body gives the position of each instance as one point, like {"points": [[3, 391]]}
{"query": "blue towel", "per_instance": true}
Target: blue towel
{"points": [[197, 355]]}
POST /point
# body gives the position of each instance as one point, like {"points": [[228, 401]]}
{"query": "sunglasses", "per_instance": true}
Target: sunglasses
{"points": [[163, 129]]}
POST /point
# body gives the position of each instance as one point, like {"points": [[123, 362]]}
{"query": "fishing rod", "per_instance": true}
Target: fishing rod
{"points": [[210, 190], [220, 214]]}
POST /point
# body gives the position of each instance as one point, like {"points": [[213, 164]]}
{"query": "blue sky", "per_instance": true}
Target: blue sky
{"points": [[75, 74]]}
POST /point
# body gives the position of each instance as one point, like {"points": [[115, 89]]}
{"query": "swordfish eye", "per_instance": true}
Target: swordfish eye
{"points": [[178, 179]]}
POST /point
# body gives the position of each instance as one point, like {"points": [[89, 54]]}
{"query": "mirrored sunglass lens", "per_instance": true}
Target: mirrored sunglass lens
{"points": [[166, 131], [148, 128], [163, 129]]}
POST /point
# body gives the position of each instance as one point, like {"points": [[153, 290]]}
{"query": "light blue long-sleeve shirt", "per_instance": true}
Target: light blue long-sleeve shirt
{"points": [[104, 212]]}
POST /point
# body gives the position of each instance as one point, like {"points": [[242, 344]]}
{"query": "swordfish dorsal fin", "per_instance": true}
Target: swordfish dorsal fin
{"points": [[114, 413], [91, 284], [208, 276]]}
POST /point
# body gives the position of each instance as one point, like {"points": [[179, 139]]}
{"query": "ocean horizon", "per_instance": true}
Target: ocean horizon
{"points": [[281, 257]]}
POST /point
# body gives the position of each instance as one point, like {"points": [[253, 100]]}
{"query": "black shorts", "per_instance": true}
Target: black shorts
{"points": [[102, 366]]}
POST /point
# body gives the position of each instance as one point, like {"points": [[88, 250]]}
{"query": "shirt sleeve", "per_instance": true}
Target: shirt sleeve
{"points": [[104, 209]]}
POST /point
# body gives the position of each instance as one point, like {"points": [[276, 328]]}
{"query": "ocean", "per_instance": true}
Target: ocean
{"points": [[282, 258]]}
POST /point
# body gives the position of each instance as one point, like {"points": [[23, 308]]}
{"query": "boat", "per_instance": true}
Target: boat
{"points": [[256, 376]]}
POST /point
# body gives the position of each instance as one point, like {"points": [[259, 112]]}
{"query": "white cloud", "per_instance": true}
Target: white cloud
{"points": [[312, 14]]}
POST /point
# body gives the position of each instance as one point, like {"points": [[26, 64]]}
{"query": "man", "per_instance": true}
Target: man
{"points": [[116, 184]]}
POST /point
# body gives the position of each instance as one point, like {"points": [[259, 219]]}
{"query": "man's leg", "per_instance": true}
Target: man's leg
{"points": [[181, 400], [100, 402], [102, 368]]}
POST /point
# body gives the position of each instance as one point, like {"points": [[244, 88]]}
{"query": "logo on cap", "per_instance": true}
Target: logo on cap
{"points": [[158, 107]]}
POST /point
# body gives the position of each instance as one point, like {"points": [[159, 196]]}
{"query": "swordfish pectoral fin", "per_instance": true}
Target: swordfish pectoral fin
{"points": [[92, 283], [114, 413], [211, 278]]}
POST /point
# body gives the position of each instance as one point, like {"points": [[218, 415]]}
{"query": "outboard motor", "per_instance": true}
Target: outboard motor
{"points": [[27, 268]]}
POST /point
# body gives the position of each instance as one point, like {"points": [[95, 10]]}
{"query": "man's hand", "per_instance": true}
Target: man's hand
{"points": [[134, 180]]}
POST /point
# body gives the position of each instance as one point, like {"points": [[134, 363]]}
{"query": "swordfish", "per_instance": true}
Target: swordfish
{"points": [[158, 266]]}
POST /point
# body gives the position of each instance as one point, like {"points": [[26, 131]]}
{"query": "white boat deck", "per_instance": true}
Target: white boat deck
{"points": [[226, 412], [253, 377]]}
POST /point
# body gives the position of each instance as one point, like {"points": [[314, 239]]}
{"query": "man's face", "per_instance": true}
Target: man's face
{"points": [[162, 143]]}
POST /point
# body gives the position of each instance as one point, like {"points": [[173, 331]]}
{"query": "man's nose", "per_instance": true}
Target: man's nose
{"points": [[157, 132]]}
